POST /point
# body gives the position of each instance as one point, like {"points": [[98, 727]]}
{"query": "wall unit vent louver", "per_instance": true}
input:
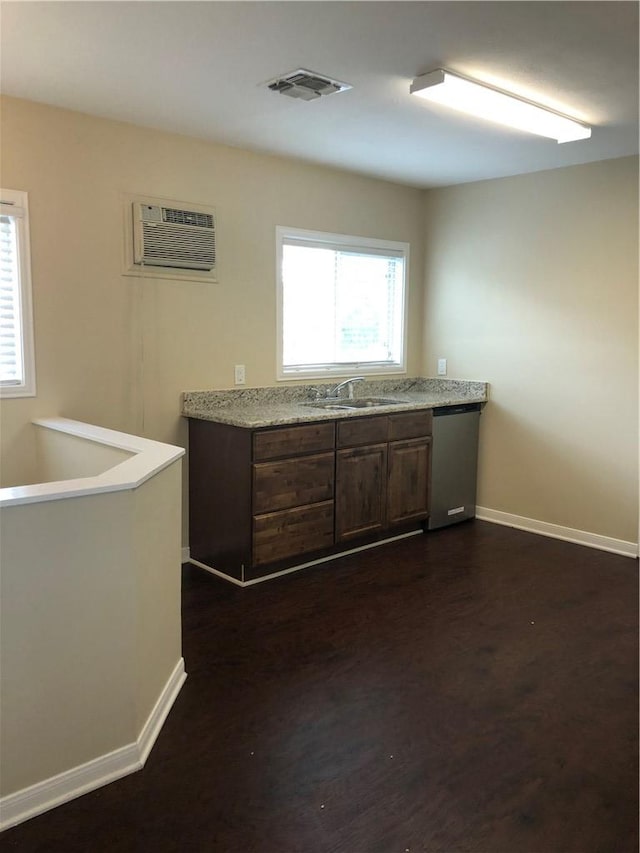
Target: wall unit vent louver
{"points": [[306, 85], [173, 237]]}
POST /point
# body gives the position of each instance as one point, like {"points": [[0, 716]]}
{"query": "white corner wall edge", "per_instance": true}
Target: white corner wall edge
{"points": [[39, 798], [148, 457], [555, 531]]}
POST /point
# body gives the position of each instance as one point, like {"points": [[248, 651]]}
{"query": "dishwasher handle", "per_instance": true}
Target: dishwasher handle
{"points": [[441, 411]]}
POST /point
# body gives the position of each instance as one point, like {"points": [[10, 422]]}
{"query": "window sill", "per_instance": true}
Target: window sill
{"points": [[349, 370], [9, 392]]}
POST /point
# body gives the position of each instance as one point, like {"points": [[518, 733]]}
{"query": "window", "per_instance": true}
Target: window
{"points": [[341, 304], [17, 365]]}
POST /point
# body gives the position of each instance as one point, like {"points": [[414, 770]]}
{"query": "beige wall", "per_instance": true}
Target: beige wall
{"points": [[532, 285], [62, 456], [157, 586], [67, 632], [118, 351]]}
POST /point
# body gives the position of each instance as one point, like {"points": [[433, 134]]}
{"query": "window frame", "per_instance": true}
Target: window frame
{"points": [[353, 242], [16, 203]]}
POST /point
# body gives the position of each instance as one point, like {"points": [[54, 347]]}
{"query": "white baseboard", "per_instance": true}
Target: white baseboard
{"points": [[39, 798], [186, 553], [555, 531], [306, 565], [160, 712]]}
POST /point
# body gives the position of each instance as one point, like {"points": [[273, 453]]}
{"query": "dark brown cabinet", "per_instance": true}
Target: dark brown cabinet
{"points": [[259, 497], [386, 484], [292, 493], [361, 491], [409, 474], [408, 480], [268, 499]]}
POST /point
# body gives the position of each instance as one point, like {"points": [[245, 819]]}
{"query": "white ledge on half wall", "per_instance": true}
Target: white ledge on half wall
{"points": [[147, 458]]}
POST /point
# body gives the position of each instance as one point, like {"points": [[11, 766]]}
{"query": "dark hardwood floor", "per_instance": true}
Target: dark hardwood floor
{"points": [[472, 689]]}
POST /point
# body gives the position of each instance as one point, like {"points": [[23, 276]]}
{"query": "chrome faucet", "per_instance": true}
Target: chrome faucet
{"points": [[348, 383]]}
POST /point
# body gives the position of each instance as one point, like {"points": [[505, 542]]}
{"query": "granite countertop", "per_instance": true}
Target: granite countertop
{"points": [[263, 407]]}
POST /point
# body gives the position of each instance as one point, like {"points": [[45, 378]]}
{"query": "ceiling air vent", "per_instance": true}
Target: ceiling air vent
{"points": [[306, 85]]}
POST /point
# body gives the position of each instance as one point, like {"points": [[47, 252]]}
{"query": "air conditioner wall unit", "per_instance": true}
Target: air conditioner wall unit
{"points": [[173, 237]]}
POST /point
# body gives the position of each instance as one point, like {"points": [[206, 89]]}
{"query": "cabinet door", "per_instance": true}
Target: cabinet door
{"points": [[361, 487], [408, 497]]}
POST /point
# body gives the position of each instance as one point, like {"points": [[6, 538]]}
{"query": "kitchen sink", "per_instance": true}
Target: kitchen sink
{"points": [[356, 403]]}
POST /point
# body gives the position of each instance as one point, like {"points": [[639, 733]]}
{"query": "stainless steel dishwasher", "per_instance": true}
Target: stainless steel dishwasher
{"points": [[454, 464]]}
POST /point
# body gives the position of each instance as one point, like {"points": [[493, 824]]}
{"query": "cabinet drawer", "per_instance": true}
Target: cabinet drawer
{"points": [[292, 482], [410, 425], [355, 431], [278, 535], [291, 441]]}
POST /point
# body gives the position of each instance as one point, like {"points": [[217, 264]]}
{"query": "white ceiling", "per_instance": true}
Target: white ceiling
{"points": [[199, 68]]}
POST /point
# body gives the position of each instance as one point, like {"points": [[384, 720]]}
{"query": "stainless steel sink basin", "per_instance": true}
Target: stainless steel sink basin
{"points": [[357, 403]]}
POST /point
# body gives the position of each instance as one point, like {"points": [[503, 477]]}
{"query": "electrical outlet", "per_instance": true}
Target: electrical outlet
{"points": [[239, 374], [442, 367]]}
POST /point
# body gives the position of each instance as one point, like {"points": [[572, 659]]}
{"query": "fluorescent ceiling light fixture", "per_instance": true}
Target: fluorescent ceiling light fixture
{"points": [[479, 99]]}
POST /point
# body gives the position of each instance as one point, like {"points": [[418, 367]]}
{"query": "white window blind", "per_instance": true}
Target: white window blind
{"points": [[16, 339], [341, 304]]}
